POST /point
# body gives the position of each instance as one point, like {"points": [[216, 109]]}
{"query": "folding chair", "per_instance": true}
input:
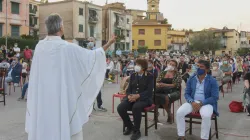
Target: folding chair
{"points": [[2, 83]]}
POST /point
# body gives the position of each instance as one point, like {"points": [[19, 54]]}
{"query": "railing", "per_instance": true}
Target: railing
{"points": [[244, 45]]}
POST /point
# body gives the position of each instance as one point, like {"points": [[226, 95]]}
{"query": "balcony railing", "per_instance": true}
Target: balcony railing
{"points": [[93, 16], [245, 46]]}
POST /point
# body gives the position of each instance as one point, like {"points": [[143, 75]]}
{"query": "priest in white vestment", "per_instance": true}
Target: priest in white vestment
{"points": [[64, 82]]}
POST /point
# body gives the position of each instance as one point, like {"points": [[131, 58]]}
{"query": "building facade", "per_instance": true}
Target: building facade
{"points": [[81, 20], [178, 40], [17, 12], [33, 18], [116, 20], [244, 41], [137, 14], [151, 32]]}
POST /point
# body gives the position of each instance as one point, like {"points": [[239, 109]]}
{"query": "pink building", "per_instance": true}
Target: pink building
{"points": [[17, 17]]}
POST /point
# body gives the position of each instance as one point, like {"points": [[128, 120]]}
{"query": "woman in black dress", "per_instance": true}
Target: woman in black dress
{"points": [[168, 88]]}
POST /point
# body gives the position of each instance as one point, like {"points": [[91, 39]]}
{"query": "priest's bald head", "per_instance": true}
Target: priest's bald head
{"points": [[54, 25]]}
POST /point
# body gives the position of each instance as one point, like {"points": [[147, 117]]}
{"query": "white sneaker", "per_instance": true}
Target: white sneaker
{"points": [[16, 84]]}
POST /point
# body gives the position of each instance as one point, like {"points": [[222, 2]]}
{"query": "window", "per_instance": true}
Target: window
{"points": [[157, 43], [249, 41], [1, 5], [117, 32], [14, 8], [141, 31], [133, 42], [127, 20], [92, 30], [15, 30], [81, 11], [141, 42], [1, 30], [35, 20], [236, 34], [127, 46], [128, 33], [157, 31], [153, 5], [80, 28], [236, 41], [35, 8]]}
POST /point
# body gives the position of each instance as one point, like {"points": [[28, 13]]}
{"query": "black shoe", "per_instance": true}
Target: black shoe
{"points": [[136, 135], [180, 139], [128, 131]]}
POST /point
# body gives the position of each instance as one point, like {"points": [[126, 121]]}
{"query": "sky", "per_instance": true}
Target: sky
{"points": [[197, 14]]}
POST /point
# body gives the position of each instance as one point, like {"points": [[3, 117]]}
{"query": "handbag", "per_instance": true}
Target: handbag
{"points": [[236, 107]]}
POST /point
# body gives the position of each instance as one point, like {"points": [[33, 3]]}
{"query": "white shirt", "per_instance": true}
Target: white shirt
{"points": [[16, 49], [64, 83]]}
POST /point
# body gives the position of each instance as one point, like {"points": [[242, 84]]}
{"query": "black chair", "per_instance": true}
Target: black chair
{"points": [[2, 83], [196, 116]]}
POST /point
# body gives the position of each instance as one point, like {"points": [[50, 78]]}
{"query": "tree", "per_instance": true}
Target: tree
{"points": [[165, 21], [243, 51], [205, 41]]}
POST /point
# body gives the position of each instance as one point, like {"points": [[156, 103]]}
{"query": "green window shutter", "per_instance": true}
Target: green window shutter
{"points": [[15, 31], [92, 31], [14, 8], [1, 30], [1, 5], [80, 28]]}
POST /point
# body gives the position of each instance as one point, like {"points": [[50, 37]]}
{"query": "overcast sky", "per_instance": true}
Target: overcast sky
{"points": [[198, 14]]}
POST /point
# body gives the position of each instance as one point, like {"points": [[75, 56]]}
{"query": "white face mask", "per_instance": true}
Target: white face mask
{"points": [[137, 68], [169, 67], [214, 68]]}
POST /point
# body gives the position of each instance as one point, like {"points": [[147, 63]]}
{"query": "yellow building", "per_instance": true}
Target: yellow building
{"points": [[150, 34]]}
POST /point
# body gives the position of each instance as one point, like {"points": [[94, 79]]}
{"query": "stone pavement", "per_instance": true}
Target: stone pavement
{"points": [[108, 126]]}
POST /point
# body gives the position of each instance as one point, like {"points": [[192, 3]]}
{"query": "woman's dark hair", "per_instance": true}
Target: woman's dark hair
{"points": [[176, 63], [205, 63], [143, 63], [232, 59], [151, 61]]}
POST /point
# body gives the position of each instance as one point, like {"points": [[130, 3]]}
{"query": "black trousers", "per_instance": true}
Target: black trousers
{"points": [[107, 74], [99, 99], [137, 109], [234, 77]]}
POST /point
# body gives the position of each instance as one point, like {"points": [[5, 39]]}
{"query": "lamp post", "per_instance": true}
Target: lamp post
{"points": [[6, 24]]}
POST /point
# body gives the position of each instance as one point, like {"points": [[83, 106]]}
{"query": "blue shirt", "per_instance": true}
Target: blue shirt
{"points": [[199, 92]]}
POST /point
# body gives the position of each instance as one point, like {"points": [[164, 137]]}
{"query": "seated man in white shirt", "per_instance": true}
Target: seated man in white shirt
{"points": [[202, 93], [17, 50]]}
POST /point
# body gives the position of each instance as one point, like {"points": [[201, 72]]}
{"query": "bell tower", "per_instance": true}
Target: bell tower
{"points": [[153, 9]]}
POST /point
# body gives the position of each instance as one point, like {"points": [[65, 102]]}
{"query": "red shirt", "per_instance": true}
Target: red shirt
{"points": [[27, 54]]}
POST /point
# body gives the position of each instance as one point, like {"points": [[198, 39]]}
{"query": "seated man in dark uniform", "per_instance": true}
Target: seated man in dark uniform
{"points": [[139, 95]]}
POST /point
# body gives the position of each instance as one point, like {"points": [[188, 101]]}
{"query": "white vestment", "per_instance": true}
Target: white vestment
{"points": [[64, 82]]}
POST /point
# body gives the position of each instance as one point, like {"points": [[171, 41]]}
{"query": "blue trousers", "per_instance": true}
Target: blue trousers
{"points": [[25, 87]]}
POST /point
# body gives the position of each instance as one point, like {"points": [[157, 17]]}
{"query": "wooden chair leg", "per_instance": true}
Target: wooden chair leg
{"points": [[146, 123], [190, 126], [173, 112], [155, 117], [216, 128], [113, 104]]}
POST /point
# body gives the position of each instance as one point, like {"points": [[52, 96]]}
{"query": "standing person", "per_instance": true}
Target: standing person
{"points": [[61, 98], [118, 52], [239, 67], [16, 50], [27, 53], [247, 93], [234, 69]]}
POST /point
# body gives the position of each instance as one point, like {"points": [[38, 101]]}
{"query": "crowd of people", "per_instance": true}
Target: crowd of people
{"points": [[204, 77], [17, 65]]}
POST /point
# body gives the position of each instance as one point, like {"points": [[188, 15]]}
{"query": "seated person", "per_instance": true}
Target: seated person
{"points": [[152, 69], [24, 89], [202, 93], [14, 73], [247, 93], [139, 96], [217, 73], [168, 88], [227, 72]]}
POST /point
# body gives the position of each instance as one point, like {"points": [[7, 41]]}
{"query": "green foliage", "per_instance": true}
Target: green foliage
{"points": [[205, 41], [29, 37], [165, 21], [243, 51], [142, 49], [22, 43]]}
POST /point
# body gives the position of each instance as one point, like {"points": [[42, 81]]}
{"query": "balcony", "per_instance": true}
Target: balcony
{"points": [[93, 16], [119, 21]]}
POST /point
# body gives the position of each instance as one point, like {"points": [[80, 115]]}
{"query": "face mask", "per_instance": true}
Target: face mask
{"points": [[137, 68], [15, 45], [231, 62], [214, 68], [224, 62], [170, 68], [200, 71]]}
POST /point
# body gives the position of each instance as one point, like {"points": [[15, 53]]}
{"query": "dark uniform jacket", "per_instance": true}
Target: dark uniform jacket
{"points": [[142, 85]]}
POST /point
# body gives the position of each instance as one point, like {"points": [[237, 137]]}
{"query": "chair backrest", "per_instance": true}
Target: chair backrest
{"points": [[2, 77], [124, 85]]}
